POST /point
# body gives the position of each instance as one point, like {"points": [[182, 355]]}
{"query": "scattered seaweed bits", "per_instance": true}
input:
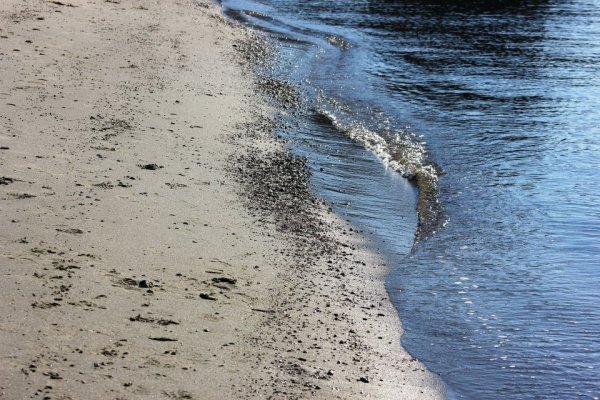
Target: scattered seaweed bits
{"points": [[150, 167]]}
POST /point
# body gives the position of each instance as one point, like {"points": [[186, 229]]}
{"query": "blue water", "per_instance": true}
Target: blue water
{"points": [[497, 103]]}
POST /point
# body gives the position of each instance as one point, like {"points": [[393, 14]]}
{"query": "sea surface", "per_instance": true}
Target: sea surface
{"points": [[464, 139]]}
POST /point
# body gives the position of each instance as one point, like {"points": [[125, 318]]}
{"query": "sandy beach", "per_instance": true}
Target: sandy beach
{"points": [[156, 240]]}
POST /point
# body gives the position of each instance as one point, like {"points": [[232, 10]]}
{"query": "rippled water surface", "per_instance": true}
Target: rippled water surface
{"points": [[497, 104]]}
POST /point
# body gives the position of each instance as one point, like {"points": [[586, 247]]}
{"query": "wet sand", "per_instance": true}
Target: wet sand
{"points": [[157, 241]]}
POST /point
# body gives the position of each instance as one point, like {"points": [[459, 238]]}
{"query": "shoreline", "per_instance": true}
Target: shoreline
{"points": [[132, 267], [350, 267]]}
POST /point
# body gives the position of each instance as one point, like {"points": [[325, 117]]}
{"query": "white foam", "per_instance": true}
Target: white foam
{"points": [[402, 153]]}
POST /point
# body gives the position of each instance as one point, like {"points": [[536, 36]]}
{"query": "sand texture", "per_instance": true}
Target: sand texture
{"points": [[155, 240]]}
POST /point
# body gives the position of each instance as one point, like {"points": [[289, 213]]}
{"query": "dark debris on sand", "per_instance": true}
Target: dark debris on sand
{"points": [[274, 184]]}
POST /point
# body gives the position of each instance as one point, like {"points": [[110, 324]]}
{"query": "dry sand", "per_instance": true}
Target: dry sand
{"points": [[136, 260]]}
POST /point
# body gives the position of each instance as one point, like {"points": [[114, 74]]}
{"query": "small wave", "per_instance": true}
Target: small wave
{"points": [[406, 155], [338, 41], [258, 15]]}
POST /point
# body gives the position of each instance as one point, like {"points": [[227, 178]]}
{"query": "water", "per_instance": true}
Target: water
{"points": [[484, 118]]}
